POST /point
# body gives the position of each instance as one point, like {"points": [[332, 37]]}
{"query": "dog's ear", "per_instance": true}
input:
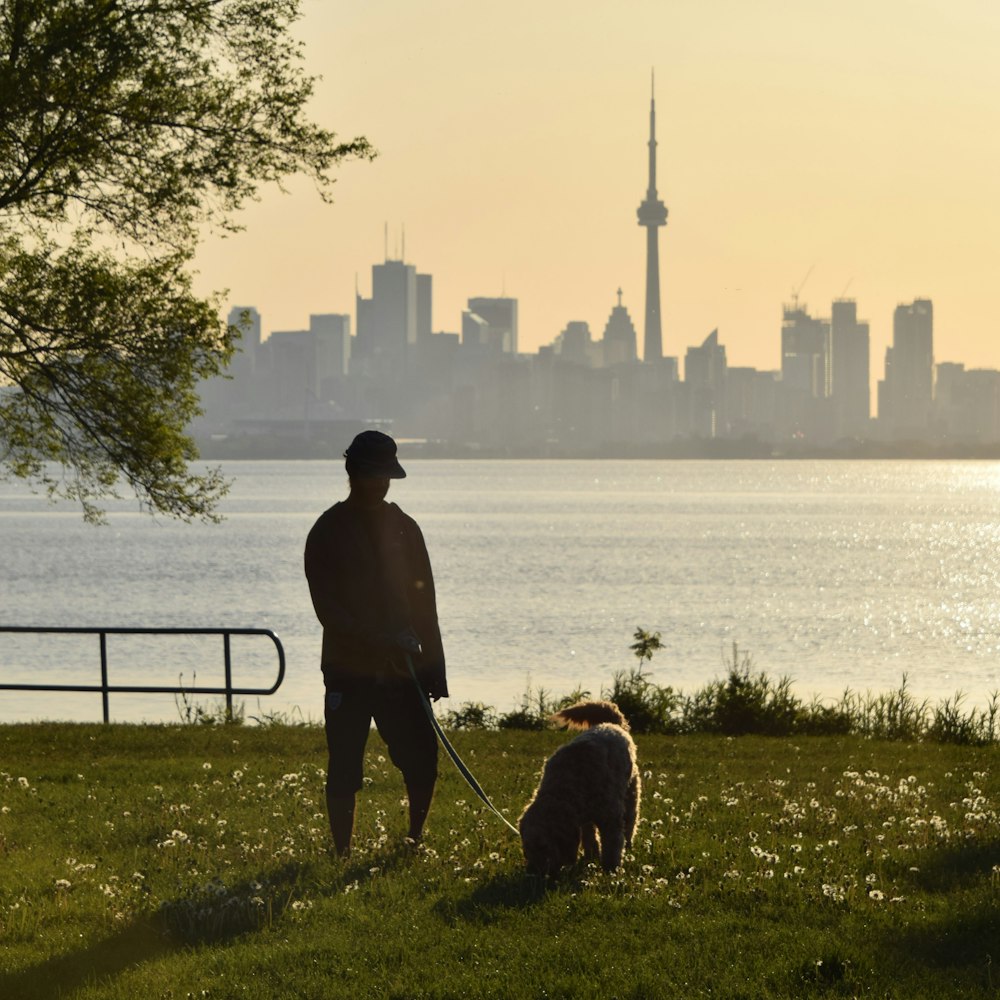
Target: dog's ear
{"points": [[585, 714]]}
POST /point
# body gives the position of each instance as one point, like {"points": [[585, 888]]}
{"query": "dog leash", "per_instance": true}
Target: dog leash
{"points": [[453, 754]]}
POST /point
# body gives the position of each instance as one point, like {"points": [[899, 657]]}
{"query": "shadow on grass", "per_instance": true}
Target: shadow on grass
{"points": [[966, 938], [970, 938], [140, 942], [494, 899], [211, 913], [961, 866]]}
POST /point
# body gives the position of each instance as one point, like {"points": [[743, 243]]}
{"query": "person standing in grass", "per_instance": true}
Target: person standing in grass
{"points": [[371, 586]]}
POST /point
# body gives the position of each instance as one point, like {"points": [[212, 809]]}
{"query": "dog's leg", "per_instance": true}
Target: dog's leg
{"points": [[631, 809], [591, 847], [612, 843]]}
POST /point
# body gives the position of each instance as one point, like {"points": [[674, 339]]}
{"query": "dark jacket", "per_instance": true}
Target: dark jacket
{"points": [[370, 577]]}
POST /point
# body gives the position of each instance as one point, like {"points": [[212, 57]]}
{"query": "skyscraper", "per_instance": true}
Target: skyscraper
{"points": [[619, 336], [501, 315], [849, 366], [906, 394], [652, 214]]}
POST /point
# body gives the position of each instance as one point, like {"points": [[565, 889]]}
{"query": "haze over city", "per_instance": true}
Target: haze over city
{"points": [[854, 144]]}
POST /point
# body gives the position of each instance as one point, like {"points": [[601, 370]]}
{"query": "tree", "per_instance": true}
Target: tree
{"points": [[129, 128]]}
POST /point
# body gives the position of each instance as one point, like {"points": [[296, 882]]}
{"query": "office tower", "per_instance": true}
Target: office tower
{"points": [[425, 302], [804, 353], [331, 334], [705, 376], [652, 214], [475, 331], [705, 366], [906, 395], [804, 412], [391, 321], [619, 336], [394, 307], [849, 370], [247, 320], [575, 344], [500, 315]]}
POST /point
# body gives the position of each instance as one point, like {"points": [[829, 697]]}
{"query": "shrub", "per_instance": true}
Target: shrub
{"points": [[649, 707], [470, 715]]}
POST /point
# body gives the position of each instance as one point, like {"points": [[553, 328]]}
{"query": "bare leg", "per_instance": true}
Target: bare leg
{"points": [[340, 809], [590, 844], [420, 803]]}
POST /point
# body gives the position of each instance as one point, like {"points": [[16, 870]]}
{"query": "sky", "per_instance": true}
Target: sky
{"points": [[806, 147]]}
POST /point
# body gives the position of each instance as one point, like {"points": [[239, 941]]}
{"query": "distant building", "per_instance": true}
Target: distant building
{"points": [[425, 307], [967, 404], [907, 392], [391, 322], [500, 315], [849, 370], [476, 333], [804, 368], [751, 403], [575, 344], [331, 333], [705, 376], [247, 320], [619, 343]]}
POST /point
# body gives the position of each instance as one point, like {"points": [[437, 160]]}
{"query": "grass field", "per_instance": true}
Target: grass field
{"points": [[189, 861]]}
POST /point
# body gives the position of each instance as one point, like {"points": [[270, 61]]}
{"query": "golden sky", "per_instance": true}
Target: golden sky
{"points": [[856, 142]]}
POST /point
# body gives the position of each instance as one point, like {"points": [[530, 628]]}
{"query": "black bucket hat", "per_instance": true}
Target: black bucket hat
{"points": [[373, 453]]}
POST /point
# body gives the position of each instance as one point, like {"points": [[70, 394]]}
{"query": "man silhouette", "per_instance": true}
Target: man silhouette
{"points": [[371, 586]]}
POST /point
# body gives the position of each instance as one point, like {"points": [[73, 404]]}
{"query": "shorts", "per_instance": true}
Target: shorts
{"points": [[401, 720]]}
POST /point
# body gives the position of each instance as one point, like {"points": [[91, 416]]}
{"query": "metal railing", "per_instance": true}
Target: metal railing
{"points": [[106, 688]]}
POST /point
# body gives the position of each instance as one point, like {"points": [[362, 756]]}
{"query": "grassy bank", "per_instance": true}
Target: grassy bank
{"points": [[192, 861]]}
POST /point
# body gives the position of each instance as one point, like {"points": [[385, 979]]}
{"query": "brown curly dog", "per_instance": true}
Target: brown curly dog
{"points": [[589, 793]]}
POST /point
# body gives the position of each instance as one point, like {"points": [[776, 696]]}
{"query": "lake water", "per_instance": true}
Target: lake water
{"points": [[838, 574]]}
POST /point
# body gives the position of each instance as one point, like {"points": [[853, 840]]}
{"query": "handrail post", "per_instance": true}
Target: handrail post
{"points": [[104, 677], [229, 677]]}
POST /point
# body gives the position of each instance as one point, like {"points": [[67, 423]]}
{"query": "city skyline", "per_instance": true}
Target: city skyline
{"points": [[852, 146]]}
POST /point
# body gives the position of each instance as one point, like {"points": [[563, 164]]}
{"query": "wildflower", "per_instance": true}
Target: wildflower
{"points": [[877, 895], [63, 885], [23, 782], [206, 766]]}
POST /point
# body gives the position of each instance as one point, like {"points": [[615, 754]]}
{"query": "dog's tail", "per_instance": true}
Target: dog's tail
{"points": [[585, 714]]}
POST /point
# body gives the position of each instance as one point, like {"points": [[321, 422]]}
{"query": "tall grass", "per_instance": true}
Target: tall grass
{"points": [[747, 701]]}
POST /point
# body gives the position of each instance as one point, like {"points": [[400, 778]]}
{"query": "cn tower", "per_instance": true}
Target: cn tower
{"points": [[652, 214]]}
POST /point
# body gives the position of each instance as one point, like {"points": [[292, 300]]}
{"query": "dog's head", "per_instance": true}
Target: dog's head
{"points": [[548, 844]]}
